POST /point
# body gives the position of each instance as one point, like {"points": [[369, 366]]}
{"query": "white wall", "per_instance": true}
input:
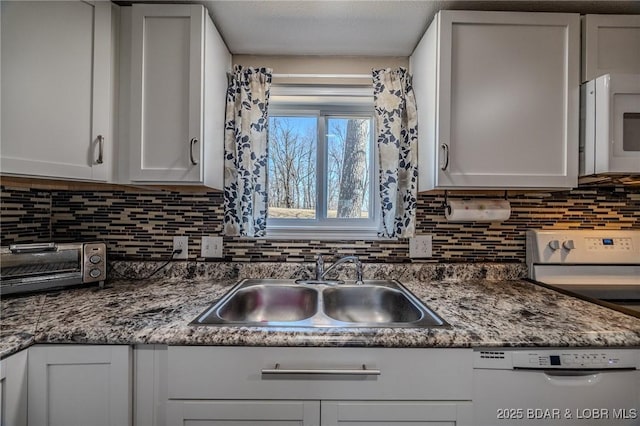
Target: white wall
{"points": [[321, 65]]}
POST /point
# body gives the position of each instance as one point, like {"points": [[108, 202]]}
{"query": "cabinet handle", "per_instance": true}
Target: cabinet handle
{"points": [[33, 248], [193, 142], [100, 149], [364, 371], [445, 148]]}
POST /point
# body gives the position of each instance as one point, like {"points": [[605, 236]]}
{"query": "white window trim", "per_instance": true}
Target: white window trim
{"points": [[326, 102], [322, 235]]}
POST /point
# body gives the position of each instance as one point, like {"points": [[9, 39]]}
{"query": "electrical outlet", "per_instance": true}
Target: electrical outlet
{"points": [[420, 247], [181, 243], [211, 247]]}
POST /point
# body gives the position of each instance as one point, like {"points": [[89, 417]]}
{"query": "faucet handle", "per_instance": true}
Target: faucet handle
{"points": [[319, 266], [358, 263]]}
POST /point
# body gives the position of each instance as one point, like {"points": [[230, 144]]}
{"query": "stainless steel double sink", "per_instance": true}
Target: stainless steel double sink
{"points": [[286, 303]]}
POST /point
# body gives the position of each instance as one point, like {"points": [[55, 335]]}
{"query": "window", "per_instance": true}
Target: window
{"points": [[321, 172]]}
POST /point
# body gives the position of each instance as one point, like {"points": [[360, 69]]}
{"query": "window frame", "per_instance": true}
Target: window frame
{"points": [[326, 103]]}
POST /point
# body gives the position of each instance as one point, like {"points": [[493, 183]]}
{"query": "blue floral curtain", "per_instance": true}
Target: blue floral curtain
{"points": [[245, 156], [397, 138]]}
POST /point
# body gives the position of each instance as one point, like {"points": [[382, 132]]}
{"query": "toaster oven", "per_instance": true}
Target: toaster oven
{"points": [[35, 267]]}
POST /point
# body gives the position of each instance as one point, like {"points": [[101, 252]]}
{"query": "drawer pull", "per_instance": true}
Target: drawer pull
{"points": [[364, 371]]}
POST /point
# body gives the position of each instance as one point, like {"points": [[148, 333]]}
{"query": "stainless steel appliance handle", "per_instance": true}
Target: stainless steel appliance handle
{"points": [[445, 148], [99, 160], [33, 248], [583, 373], [191, 143], [364, 371], [571, 373]]}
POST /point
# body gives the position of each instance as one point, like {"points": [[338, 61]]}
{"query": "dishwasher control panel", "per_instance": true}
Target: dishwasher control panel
{"points": [[560, 359], [571, 359]]}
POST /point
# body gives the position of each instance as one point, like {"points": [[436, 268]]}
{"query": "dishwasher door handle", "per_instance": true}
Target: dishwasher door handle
{"points": [[363, 371], [572, 378]]}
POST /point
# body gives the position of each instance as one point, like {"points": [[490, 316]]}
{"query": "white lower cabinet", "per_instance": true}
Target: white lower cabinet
{"points": [[317, 413], [189, 385], [79, 385], [13, 390], [243, 413], [389, 413]]}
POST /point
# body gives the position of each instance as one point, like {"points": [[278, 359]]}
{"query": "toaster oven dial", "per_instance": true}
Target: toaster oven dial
{"points": [[95, 259], [95, 273]]}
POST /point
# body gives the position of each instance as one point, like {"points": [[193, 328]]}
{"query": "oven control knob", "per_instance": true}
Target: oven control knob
{"points": [[95, 273], [554, 245], [95, 259], [569, 245]]}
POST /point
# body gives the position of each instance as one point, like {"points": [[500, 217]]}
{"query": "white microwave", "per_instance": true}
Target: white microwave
{"points": [[610, 125]]}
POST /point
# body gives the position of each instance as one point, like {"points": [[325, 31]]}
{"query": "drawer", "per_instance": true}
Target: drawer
{"points": [[205, 372]]}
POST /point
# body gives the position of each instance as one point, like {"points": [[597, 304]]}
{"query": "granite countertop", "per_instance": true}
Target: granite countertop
{"points": [[487, 307]]}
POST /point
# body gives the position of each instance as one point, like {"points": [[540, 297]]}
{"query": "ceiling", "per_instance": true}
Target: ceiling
{"points": [[369, 28], [357, 27]]}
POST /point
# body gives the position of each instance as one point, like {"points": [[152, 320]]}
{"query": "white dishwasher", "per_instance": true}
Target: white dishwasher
{"points": [[563, 386]]}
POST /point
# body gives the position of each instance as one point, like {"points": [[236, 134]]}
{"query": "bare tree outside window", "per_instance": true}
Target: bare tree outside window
{"points": [[293, 169], [350, 149]]}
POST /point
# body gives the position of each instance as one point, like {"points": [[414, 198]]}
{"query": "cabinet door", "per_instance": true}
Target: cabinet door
{"points": [[56, 89], [166, 92], [150, 385], [78, 385], [610, 44], [387, 413], [508, 93], [13, 390], [243, 413]]}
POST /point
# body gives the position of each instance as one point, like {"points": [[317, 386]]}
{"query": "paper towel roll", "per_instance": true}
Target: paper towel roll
{"points": [[478, 210]]}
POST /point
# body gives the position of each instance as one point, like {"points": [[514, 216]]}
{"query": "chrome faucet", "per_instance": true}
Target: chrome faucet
{"points": [[319, 267], [321, 272]]}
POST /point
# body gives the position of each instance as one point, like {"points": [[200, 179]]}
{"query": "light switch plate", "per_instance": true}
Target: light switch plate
{"points": [[420, 247], [211, 247]]}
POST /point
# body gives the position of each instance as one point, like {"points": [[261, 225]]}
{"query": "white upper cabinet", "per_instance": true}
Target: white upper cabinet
{"points": [[57, 89], [610, 45], [497, 96], [179, 66]]}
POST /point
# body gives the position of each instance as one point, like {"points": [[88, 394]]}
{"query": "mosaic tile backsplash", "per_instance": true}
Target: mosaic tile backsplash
{"points": [[141, 225], [25, 216]]}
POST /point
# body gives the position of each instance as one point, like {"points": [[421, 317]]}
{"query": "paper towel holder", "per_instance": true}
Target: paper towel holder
{"points": [[447, 207], [445, 204]]}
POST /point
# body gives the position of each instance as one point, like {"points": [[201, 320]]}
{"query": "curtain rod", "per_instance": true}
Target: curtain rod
{"points": [[322, 76]]}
